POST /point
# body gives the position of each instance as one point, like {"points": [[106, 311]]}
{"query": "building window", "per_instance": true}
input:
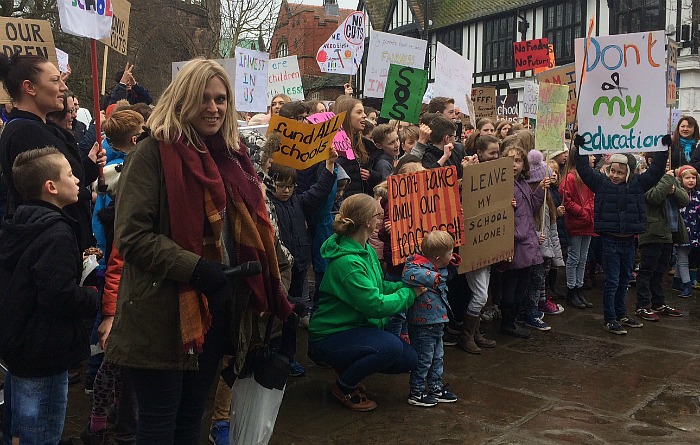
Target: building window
{"points": [[564, 22], [498, 44], [282, 50], [451, 38], [637, 16]]}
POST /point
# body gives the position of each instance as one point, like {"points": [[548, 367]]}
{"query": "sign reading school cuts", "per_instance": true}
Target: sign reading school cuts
{"points": [[342, 52], [119, 36], [420, 203]]}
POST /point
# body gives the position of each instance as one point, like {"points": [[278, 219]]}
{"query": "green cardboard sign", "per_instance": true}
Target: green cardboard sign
{"points": [[403, 96]]}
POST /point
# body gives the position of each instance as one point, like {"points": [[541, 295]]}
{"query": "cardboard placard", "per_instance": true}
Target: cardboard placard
{"points": [[487, 195], [404, 93], [618, 110], [341, 141], [342, 52], [530, 93], [420, 203], [484, 99], [551, 117], [531, 54], [507, 107], [563, 75], [552, 61], [303, 145], [453, 76], [385, 49], [429, 93], [119, 37], [283, 77], [671, 73], [251, 80]]}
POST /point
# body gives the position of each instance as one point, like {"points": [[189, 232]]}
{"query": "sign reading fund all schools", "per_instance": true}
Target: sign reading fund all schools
{"points": [[623, 97], [420, 203]]}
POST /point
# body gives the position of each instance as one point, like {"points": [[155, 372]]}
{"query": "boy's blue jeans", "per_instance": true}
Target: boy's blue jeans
{"points": [[618, 261], [39, 408], [427, 341]]}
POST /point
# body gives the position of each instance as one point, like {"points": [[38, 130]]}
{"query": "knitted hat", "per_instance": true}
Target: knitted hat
{"points": [[618, 158], [556, 153], [686, 168], [538, 168]]}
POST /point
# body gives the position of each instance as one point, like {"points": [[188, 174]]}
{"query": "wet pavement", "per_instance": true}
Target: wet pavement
{"points": [[575, 384]]}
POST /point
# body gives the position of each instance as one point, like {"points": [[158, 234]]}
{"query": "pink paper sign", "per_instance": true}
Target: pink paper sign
{"points": [[341, 141]]}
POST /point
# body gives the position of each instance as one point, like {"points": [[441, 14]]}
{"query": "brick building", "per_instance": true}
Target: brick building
{"points": [[301, 30]]}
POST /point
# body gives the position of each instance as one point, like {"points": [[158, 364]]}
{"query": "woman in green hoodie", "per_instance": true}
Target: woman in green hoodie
{"points": [[346, 330]]}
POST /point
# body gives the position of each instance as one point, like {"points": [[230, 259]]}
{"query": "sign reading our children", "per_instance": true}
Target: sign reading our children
{"points": [[624, 94]]}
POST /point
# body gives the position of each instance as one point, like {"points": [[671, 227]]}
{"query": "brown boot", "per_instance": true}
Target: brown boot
{"points": [[466, 337], [479, 339]]}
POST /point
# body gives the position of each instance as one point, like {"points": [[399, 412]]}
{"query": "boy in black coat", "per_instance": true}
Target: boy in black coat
{"points": [[42, 303]]}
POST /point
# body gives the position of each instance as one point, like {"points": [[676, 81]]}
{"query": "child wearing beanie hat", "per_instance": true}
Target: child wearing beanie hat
{"points": [[688, 255]]}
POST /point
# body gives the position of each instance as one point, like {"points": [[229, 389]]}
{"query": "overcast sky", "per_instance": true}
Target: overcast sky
{"points": [[347, 4]]}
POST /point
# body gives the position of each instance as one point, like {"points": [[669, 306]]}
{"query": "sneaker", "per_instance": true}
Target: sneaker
{"points": [[422, 399], [490, 313], [449, 339], [647, 314], [296, 369], [443, 395], [97, 438], [218, 434], [356, 400], [630, 322], [89, 386], [633, 278], [537, 323], [667, 310], [614, 327], [549, 307]]}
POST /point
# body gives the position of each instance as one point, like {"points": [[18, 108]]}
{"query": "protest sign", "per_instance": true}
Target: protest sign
{"points": [[507, 107], [404, 93], [563, 75], [62, 58], [531, 54], [119, 35], [429, 93], [24, 36], [453, 75], [530, 100], [385, 49], [618, 109], [551, 117], [341, 141], [487, 195], [91, 19], [484, 99], [303, 145], [228, 64], [251, 80], [420, 203], [552, 61], [675, 118], [283, 77], [342, 52], [672, 71]]}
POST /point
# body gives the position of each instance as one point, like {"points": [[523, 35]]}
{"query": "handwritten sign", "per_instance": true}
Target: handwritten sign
{"points": [[283, 77], [62, 57], [420, 203], [119, 36], [563, 75], [507, 107], [671, 73], [484, 99], [429, 93], [342, 52], [385, 49], [228, 64], [531, 54], [341, 141], [404, 93], [623, 93], [675, 118], [530, 93], [303, 145], [453, 75], [552, 61], [487, 194], [551, 117], [251, 80]]}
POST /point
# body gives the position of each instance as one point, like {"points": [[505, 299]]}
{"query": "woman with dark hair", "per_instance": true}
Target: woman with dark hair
{"points": [[685, 140]]}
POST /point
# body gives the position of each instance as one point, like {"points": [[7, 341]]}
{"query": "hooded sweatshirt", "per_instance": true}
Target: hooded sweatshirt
{"points": [[40, 266], [353, 291]]}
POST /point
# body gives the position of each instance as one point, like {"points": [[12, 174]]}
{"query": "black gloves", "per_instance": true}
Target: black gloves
{"points": [[579, 141], [209, 278], [666, 140]]}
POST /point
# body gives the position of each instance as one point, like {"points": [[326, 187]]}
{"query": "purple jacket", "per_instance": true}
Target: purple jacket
{"points": [[527, 243]]}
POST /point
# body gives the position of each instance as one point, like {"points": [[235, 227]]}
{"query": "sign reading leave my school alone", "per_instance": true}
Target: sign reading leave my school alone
{"points": [[303, 145], [420, 203], [487, 191], [531, 54], [404, 93], [385, 49], [623, 94], [530, 94]]}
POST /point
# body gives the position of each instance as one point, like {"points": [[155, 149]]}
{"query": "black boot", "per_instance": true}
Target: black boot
{"points": [[582, 298], [573, 300], [552, 283], [508, 326]]}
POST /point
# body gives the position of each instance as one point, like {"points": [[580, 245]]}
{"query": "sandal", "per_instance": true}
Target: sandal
{"points": [[356, 400]]}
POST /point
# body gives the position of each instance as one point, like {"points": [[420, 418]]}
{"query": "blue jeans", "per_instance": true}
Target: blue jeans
{"points": [[577, 254], [427, 341], [618, 261], [360, 352], [39, 408]]}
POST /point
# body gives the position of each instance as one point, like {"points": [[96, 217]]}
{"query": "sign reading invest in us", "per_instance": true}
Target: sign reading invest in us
{"points": [[622, 99]]}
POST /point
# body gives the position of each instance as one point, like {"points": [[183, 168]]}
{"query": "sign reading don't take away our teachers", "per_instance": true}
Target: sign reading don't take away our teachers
{"points": [[623, 97]]}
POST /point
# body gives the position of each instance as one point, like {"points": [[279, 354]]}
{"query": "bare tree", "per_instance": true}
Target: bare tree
{"points": [[247, 19]]}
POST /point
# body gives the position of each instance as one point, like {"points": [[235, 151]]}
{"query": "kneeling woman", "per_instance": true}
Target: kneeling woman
{"points": [[346, 330]]}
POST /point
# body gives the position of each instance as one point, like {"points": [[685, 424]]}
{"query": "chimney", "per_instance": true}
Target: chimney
{"points": [[331, 7]]}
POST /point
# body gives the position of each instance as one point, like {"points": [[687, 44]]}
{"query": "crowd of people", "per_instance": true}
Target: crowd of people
{"points": [[189, 194]]}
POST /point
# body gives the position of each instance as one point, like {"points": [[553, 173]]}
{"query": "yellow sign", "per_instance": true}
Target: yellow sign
{"points": [[119, 36]]}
